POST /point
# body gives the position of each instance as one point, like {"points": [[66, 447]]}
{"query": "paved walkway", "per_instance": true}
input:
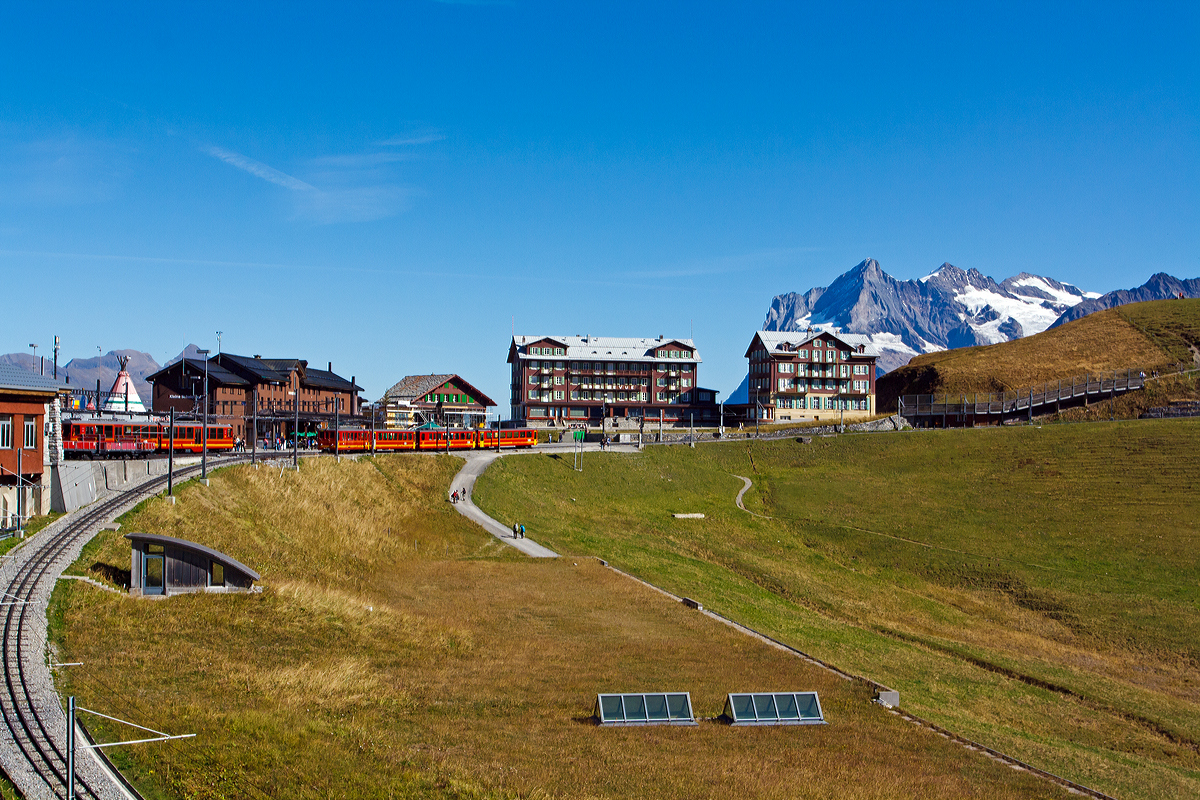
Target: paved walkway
{"points": [[477, 462]]}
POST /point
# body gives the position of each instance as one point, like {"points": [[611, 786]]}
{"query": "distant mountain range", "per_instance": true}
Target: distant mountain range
{"points": [[949, 308], [84, 372]]}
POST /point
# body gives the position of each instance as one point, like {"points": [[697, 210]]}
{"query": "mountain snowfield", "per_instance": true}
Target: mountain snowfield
{"points": [[948, 308]]}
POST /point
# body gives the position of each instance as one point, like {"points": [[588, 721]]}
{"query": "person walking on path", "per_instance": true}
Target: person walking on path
{"points": [[522, 531], [516, 530]]}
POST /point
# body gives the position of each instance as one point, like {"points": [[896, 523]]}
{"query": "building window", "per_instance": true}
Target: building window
{"points": [[218, 574], [783, 384], [533, 394], [558, 395], [660, 396], [30, 433], [558, 380], [562, 351], [830, 356], [845, 355], [845, 370], [5, 433], [662, 381]]}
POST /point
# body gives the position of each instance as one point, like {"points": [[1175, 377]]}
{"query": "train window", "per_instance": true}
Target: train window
{"points": [[108, 431]]}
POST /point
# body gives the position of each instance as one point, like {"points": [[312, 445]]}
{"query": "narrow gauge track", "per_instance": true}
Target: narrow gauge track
{"points": [[33, 714]]}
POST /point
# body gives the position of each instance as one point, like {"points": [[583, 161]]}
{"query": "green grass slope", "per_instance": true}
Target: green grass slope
{"points": [[1141, 336], [398, 651], [1035, 589]]}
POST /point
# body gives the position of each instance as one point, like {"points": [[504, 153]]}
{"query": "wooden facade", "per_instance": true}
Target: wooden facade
{"points": [[164, 565], [24, 398], [236, 383], [443, 399]]}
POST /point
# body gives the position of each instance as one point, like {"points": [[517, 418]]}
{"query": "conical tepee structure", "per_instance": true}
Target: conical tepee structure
{"points": [[124, 384]]}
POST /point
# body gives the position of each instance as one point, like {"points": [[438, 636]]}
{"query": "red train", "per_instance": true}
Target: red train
{"points": [[358, 441], [101, 438]]}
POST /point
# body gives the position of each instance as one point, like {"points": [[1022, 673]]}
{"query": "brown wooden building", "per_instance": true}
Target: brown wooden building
{"points": [[24, 438], [579, 380], [445, 400], [237, 384]]}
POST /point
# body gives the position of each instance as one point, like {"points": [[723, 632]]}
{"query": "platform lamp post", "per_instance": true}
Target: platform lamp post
{"points": [[57, 343], [171, 455], [254, 435], [296, 425], [204, 430]]}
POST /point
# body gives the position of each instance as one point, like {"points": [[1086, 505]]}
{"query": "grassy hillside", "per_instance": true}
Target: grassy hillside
{"points": [[1141, 336], [1035, 589], [398, 651]]}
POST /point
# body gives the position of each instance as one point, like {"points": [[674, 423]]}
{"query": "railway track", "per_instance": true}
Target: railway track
{"points": [[34, 755]]}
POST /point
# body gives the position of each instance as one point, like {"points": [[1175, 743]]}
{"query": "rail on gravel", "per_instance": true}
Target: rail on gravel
{"points": [[33, 752]]}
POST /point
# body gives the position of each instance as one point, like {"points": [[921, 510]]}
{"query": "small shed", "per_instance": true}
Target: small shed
{"points": [[164, 565]]}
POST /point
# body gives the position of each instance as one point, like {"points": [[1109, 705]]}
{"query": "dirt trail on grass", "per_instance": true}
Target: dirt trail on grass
{"points": [[742, 493]]}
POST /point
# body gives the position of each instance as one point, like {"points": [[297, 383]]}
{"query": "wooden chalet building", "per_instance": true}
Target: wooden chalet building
{"points": [[237, 383], [28, 438], [810, 375], [580, 380], [445, 400]]}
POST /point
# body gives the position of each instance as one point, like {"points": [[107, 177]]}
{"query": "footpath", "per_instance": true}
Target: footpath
{"points": [[477, 462]]}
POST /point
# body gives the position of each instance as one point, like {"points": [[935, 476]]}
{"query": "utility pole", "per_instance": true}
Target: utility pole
{"points": [[337, 451], [57, 342], [71, 747], [171, 455], [204, 430], [254, 436], [20, 491], [296, 425]]}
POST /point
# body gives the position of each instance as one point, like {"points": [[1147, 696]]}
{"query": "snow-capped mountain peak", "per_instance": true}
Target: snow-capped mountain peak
{"points": [[949, 307]]}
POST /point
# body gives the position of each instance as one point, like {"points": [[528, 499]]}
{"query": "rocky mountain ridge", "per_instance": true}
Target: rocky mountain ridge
{"points": [[84, 372], [948, 308]]}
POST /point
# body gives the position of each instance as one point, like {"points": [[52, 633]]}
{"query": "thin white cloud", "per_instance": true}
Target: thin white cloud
{"points": [[423, 136], [350, 188], [260, 170]]}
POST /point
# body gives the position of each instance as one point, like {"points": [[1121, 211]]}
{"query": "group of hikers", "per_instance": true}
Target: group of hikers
{"points": [[461, 494]]}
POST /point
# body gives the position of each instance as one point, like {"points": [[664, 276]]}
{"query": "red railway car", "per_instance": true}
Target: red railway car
{"points": [[354, 440], [188, 437], [101, 438], [108, 438]]}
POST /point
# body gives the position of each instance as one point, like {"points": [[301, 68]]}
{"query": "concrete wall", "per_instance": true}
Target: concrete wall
{"points": [[75, 484]]}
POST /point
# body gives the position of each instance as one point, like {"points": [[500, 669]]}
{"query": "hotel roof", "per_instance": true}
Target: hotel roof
{"points": [[627, 348]]}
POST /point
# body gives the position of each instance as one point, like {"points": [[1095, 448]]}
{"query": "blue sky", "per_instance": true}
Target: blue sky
{"points": [[393, 186]]}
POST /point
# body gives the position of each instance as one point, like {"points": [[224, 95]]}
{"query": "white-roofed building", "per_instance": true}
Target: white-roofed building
{"points": [[811, 375], [578, 380]]}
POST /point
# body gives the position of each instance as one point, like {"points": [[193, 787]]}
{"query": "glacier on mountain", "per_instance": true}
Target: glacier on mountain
{"points": [[950, 307]]}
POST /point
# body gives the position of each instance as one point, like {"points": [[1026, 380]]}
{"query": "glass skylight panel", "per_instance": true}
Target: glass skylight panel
{"points": [[774, 708], [655, 708]]}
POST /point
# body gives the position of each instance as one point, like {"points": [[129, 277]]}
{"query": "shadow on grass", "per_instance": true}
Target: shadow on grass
{"points": [[112, 574]]}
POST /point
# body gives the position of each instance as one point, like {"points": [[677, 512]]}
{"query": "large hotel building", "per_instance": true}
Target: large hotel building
{"points": [[811, 375], [578, 380]]}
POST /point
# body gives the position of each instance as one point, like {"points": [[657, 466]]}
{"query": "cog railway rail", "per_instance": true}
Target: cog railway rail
{"points": [[33, 716]]}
